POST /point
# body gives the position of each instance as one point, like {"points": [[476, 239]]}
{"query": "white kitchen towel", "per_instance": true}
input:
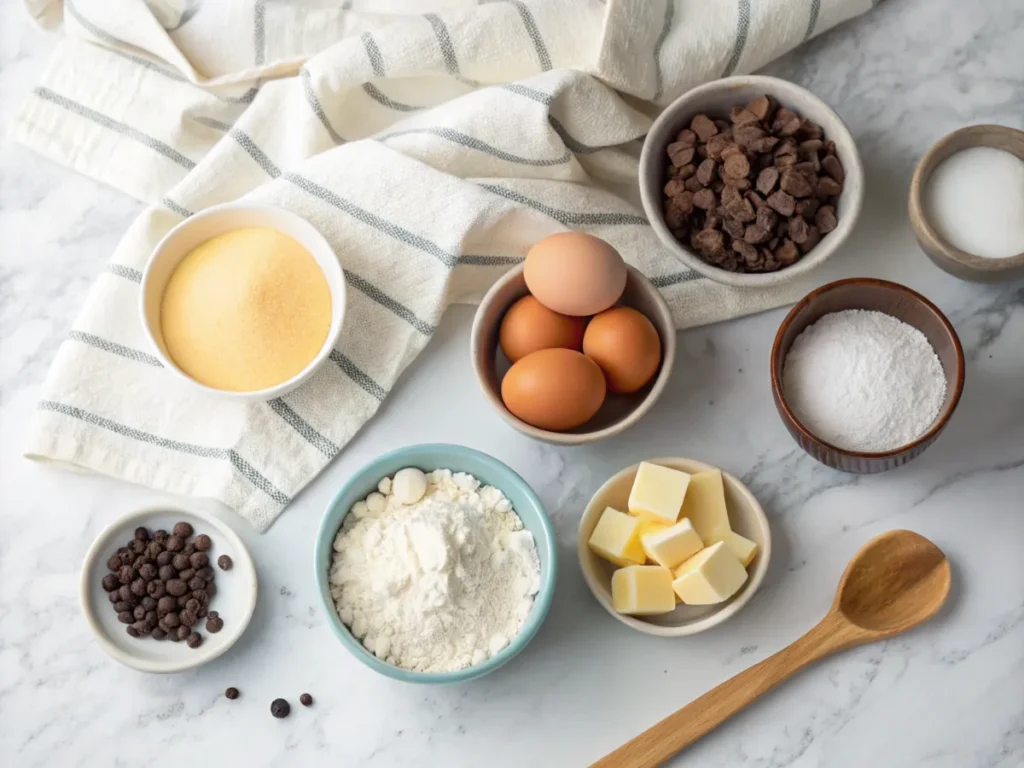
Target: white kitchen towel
{"points": [[431, 142]]}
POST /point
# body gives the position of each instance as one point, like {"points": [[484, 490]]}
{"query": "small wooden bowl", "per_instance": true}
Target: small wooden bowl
{"points": [[880, 296], [746, 517], [618, 412], [946, 256]]}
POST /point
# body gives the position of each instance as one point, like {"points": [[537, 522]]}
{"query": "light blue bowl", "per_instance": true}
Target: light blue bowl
{"points": [[488, 471]]}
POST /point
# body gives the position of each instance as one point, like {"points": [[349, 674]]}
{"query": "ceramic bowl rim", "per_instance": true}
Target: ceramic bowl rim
{"points": [[919, 216], [819, 254], [242, 561], [338, 299], [727, 610], [545, 539], [956, 380], [668, 356]]}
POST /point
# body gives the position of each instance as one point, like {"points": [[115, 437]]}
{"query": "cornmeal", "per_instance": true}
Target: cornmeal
{"points": [[246, 310]]}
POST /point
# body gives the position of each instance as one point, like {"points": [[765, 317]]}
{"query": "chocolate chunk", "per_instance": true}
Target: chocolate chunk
{"points": [[730, 196], [795, 184], [828, 186], [766, 218], [231, 693], [757, 234], [733, 228], [787, 253], [680, 154], [686, 137], [755, 200], [782, 202], [807, 207], [751, 256], [798, 229], [717, 145], [673, 188], [809, 146], [709, 240], [809, 129], [742, 115], [693, 184], [745, 134], [761, 107], [831, 165], [706, 172], [737, 166], [279, 707], [705, 199], [766, 180], [763, 144], [786, 123], [813, 238], [825, 219], [704, 127]]}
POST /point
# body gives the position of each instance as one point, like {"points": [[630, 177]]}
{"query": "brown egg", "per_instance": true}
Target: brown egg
{"points": [[555, 389], [575, 274], [529, 325], [625, 344]]}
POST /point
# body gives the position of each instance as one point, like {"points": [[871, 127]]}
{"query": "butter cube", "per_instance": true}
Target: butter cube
{"points": [[704, 506], [742, 547], [658, 492], [643, 590], [672, 545], [649, 525], [711, 576], [616, 539]]}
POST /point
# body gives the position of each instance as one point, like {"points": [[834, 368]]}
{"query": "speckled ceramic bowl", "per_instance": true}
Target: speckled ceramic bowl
{"points": [[428, 457], [880, 296]]}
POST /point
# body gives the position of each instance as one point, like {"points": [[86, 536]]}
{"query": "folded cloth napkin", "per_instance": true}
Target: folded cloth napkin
{"points": [[431, 142]]}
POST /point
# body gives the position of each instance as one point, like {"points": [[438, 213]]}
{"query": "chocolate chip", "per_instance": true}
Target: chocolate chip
{"points": [[306, 700], [138, 546], [187, 574], [111, 582], [158, 634], [214, 624], [194, 640], [183, 632], [205, 573], [224, 562], [139, 613], [196, 583], [184, 530], [203, 542], [169, 620], [175, 543], [126, 574], [188, 618], [114, 563], [126, 556], [165, 605], [183, 600], [164, 558], [199, 559], [180, 562], [125, 617], [201, 613], [156, 588], [149, 603], [231, 693], [132, 631], [160, 535], [147, 572], [142, 533], [214, 614], [125, 592], [280, 708], [176, 587], [188, 549]]}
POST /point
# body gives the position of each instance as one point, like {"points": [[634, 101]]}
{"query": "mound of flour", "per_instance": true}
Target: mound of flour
{"points": [[438, 585]]}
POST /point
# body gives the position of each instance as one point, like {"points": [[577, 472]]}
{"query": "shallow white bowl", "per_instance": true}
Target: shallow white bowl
{"points": [[715, 99], [235, 599], [745, 517], [196, 230]]}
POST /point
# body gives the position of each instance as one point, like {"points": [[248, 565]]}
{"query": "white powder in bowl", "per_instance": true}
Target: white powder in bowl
{"points": [[437, 585], [864, 381], [975, 200]]}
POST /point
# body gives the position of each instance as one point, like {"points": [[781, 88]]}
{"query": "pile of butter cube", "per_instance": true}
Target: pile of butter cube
{"points": [[675, 545]]}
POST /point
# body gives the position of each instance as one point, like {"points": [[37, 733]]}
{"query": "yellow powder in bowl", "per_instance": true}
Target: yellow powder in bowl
{"points": [[246, 310]]}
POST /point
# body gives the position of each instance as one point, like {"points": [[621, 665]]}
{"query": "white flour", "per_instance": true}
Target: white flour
{"points": [[437, 585], [864, 381]]}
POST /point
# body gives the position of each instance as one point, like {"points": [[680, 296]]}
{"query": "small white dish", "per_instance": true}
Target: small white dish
{"points": [[235, 599], [745, 517], [207, 224]]}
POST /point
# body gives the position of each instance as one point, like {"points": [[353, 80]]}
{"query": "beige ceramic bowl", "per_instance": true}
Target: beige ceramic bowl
{"points": [[946, 256], [746, 518], [618, 411], [715, 99]]}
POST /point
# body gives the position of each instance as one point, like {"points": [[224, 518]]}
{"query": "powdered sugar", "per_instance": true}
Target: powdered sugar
{"points": [[864, 381], [440, 584]]}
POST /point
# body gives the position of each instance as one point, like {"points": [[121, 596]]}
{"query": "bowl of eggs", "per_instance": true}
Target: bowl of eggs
{"points": [[574, 345]]}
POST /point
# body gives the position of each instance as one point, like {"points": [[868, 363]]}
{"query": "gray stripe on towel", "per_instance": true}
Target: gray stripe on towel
{"points": [[125, 130], [444, 41], [209, 122], [568, 218], [675, 278], [457, 137], [387, 227], [259, 30], [114, 348], [377, 95], [300, 425], [812, 18], [257, 154], [574, 145], [375, 293], [170, 205], [742, 27], [241, 465], [318, 110], [360, 378], [126, 272], [530, 24], [373, 54]]}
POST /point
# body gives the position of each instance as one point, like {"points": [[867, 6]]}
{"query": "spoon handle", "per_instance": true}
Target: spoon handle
{"points": [[658, 743]]}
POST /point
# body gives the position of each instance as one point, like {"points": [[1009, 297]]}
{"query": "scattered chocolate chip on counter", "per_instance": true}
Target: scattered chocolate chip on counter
{"points": [[225, 563], [231, 693], [754, 193], [161, 584], [280, 708], [306, 700]]}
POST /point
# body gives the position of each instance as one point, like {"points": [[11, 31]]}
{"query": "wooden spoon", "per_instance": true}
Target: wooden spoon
{"points": [[895, 582]]}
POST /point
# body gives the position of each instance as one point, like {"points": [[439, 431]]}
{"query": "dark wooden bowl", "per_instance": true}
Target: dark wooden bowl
{"points": [[899, 302], [945, 255]]}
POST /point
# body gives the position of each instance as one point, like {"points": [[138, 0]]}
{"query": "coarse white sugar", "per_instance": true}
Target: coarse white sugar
{"points": [[975, 200], [864, 381]]}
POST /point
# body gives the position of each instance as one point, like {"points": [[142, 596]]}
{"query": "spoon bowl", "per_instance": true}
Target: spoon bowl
{"points": [[897, 580]]}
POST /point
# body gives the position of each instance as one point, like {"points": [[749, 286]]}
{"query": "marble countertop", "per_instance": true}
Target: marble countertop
{"points": [[949, 695]]}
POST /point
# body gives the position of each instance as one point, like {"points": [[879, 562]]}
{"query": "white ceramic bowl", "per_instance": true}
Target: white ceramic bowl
{"points": [[745, 517], [218, 220], [235, 599], [715, 99]]}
